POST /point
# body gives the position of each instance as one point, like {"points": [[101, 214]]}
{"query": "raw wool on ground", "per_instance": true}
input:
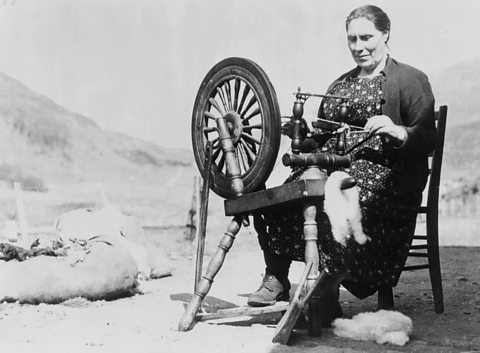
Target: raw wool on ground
{"points": [[383, 326]]}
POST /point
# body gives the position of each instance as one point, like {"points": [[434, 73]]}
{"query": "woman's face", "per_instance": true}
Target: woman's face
{"points": [[366, 43]]}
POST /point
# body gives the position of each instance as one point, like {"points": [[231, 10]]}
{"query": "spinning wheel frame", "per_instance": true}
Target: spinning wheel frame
{"points": [[238, 91]]}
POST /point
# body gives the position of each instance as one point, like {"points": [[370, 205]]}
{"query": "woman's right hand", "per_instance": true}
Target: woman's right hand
{"points": [[382, 125]]}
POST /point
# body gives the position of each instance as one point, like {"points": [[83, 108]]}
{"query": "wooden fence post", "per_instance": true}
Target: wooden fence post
{"points": [[193, 218], [21, 217]]}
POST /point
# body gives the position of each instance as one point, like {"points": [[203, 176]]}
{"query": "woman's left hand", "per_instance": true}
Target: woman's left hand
{"points": [[382, 125]]}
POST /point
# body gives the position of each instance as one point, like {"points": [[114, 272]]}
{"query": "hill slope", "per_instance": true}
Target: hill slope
{"points": [[458, 87], [41, 138], [38, 137]]}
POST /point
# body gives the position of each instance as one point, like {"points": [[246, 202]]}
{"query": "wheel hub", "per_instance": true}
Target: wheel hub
{"points": [[235, 126]]}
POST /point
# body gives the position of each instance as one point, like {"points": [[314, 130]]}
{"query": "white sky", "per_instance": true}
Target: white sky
{"points": [[135, 66]]}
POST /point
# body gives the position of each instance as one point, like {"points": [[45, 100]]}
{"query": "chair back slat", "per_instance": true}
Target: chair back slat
{"points": [[437, 157]]}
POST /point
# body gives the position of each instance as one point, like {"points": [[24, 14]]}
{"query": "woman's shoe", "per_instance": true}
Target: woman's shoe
{"points": [[269, 292]]}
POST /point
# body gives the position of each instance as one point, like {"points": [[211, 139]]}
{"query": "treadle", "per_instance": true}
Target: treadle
{"points": [[297, 190], [243, 311]]}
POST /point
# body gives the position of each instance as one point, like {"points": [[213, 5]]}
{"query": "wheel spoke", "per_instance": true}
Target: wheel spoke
{"points": [[216, 106], [249, 151], [249, 105], [254, 126], [222, 98], [221, 163], [209, 115], [252, 114], [210, 129], [242, 157], [237, 90], [216, 153], [250, 138], [244, 96], [229, 95], [215, 142], [248, 157]]}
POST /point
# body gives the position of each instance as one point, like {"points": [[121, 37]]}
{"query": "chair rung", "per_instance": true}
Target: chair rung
{"points": [[422, 209], [415, 267], [418, 247], [420, 237], [417, 254]]}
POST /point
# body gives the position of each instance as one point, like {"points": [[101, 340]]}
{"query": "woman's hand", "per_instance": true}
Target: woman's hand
{"points": [[382, 125]]}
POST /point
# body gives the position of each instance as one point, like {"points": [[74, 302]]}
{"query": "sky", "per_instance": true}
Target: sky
{"points": [[135, 66]]}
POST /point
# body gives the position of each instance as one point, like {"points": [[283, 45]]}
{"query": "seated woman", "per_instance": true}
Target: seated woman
{"points": [[394, 102]]}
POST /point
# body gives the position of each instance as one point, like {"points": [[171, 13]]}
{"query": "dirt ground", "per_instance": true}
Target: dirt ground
{"points": [[147, 322]]}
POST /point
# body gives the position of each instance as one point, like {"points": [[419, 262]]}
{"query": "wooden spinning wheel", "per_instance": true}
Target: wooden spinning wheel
{"points": [[236, 129], [238, 91]]}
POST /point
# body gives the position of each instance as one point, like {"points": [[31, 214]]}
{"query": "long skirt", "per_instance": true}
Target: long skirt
{"points": [[388, 218]]}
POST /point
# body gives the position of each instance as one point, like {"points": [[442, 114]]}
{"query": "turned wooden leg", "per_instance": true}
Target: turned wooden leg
{"points": [[187, 321], [310, 233]]}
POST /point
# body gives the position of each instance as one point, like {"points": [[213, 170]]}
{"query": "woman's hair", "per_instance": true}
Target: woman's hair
{"points": [[371, 13]]}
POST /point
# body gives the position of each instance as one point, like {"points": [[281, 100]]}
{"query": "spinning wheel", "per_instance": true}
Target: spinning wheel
{"points": [[236, 128], [238, 91]]}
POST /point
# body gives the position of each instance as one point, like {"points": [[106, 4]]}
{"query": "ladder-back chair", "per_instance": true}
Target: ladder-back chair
{"points": [[428, 247]]}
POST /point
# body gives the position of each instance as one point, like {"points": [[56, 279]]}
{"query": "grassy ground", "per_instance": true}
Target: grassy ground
{"points": [[148, 322]]}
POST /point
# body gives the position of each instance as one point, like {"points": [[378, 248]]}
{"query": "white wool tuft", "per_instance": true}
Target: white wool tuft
{"points": [[383, 326], [343, 210]]}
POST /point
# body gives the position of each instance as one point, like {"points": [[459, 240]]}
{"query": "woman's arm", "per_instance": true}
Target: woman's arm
{"points": [[417, 109], [415, 130]]}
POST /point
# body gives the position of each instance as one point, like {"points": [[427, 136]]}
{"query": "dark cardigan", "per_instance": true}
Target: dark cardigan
{"points": [[408, 101]]}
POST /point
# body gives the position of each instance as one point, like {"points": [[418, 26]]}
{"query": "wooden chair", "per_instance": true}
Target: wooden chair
{"points": [[428, 247]]}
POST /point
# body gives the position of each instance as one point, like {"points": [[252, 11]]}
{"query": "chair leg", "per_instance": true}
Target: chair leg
{"points": [[437, 288], [436, 278], [385, 298], [434, 261]]}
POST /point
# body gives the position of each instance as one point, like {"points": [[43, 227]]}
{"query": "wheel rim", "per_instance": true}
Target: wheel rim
{"points": [[240, 92]]}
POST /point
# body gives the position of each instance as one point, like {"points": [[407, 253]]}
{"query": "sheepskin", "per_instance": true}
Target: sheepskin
{"points": [[100, 269], [383, 326], [109, 221], [96, 260], [343, 209]]}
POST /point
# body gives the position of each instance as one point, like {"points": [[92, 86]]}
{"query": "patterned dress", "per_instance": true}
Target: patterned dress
{"points": [[388, 217]]}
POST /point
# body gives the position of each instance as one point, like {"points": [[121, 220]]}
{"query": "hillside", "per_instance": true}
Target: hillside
{"points": [[40, 139], [461, 157], [458, 86], [43, 139]]}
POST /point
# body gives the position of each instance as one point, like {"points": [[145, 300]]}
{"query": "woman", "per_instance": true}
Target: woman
{"points": [[394, 102]]}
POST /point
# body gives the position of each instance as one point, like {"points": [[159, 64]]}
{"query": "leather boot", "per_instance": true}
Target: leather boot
{"points": [[269, 292], [275, 285]]}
